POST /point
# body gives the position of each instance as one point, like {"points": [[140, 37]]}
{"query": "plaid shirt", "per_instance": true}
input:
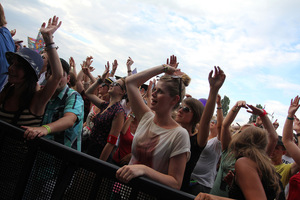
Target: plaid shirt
{"points": [[68, 100]]}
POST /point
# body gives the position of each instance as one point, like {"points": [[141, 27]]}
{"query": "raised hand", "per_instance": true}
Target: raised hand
{"points": [[129, 62], [218, 79], [89, 61], [52, 26], [293, 107], [72, 62], [254, 110], [173, 61], [115, 65]]}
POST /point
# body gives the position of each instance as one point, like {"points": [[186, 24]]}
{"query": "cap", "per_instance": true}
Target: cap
{"points": [[29, 56], [110, 80]]}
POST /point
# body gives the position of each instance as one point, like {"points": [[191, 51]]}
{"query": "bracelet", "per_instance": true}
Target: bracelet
{"points": [[264, 113], [48, 128], [219, 107], [291, 118], [129, 71], [99, 81], [50, 46], [165, 68]]}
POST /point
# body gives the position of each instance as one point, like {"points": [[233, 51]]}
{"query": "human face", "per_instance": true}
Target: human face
{"points": [[161, 98], [277, 154], [103, 88], [184, 114], [16, 72], [117, 87], [213, 124]]}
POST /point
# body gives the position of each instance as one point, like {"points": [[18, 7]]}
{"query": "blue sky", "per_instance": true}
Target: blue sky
{"points": [[256, 43]]}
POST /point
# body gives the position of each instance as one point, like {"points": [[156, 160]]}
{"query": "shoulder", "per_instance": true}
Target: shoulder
{"points": [[244, 164]]}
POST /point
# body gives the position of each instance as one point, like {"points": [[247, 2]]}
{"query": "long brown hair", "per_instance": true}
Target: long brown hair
{"points": [[251, 143]]}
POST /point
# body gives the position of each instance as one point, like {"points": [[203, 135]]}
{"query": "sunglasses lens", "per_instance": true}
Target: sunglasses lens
{"points": [[184, 109]]}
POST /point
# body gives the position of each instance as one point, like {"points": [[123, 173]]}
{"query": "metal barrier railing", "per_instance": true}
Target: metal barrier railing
{"points": [[43, 169]]}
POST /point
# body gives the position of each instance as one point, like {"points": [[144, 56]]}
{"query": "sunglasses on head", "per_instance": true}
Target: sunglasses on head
{"points": [[117, 84], [184, 109]]}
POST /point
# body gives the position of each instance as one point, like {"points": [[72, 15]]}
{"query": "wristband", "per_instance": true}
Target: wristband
{"points": [[99, 81], [298, 134], [291, 118], [264, 113], [129, 71], [219, 107], [112, 139], [50, 46], [48, 128], [165, 68]]}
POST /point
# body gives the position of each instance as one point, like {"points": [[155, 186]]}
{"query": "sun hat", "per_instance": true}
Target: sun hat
{"points": [[32, 58]]}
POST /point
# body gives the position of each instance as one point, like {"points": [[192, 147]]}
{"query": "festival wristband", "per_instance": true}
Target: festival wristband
{"points": [[112, 139], [291, 118], [264, 113], [48, 128]]}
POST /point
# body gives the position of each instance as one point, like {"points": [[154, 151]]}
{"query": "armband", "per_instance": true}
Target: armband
{"points": [[112, 139]]}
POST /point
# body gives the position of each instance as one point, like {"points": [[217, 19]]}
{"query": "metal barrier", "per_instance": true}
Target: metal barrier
{"points": [[43, 169]]}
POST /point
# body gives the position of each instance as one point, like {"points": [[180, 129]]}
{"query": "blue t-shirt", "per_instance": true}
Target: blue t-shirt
{"points": [[6, 44], [68, 100]]}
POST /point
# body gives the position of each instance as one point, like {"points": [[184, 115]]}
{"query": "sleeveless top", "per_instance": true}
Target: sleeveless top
{"points": [[20, 118], [235, 191]]}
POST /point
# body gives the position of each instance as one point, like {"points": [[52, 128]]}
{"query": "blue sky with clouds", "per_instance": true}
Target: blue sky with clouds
{"points": [[256, 43]]}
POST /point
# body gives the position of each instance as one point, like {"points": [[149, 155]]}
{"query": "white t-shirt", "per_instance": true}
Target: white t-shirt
{"points": [[205, 170], [154, 146]]}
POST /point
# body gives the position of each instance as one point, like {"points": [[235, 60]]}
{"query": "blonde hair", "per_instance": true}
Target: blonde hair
{"points": [[251, 143], [176, 85]]}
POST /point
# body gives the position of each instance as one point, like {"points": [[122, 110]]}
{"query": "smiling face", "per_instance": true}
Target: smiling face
{"points": [[16, 72]]}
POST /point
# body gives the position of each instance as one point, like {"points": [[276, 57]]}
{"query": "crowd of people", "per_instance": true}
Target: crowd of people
{"points": [[155, 130]]}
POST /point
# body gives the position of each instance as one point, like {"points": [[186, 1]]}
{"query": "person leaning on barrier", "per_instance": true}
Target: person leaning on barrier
{"points": [[21, 104], [63, 118]]}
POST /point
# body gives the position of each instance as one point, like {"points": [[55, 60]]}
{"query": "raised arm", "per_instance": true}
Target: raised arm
{"points": [[72, 65], [46, 93], [215, 83], [90, 91], [133, 83], [225, 131], [128, 64], [219, 115], [114, 68], [287, 136], [272, 135]]}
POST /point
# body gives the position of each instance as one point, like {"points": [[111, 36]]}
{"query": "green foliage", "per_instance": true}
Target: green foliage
{"points": [[225, 105], [253, 117]]}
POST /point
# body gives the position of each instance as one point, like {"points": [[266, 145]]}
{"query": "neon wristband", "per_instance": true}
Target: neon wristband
{"points": [[48, 128]]}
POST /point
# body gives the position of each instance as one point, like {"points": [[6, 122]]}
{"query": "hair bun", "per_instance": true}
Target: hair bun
{"points": [[186, 79]]}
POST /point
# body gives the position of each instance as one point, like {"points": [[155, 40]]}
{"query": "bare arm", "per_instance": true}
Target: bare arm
{"points": [[127, 124], [215, 82], [59, 125], [225, 131], [272, 135], [115, 130], [246, 176], [42, 97], [92, 97], [287, 136], [172, 179], [133, 83], [128, 64], [219, 116]]}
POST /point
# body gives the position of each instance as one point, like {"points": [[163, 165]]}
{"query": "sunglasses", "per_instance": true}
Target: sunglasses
{"points": [[117, 84], [185, 109], [103, 84]]}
